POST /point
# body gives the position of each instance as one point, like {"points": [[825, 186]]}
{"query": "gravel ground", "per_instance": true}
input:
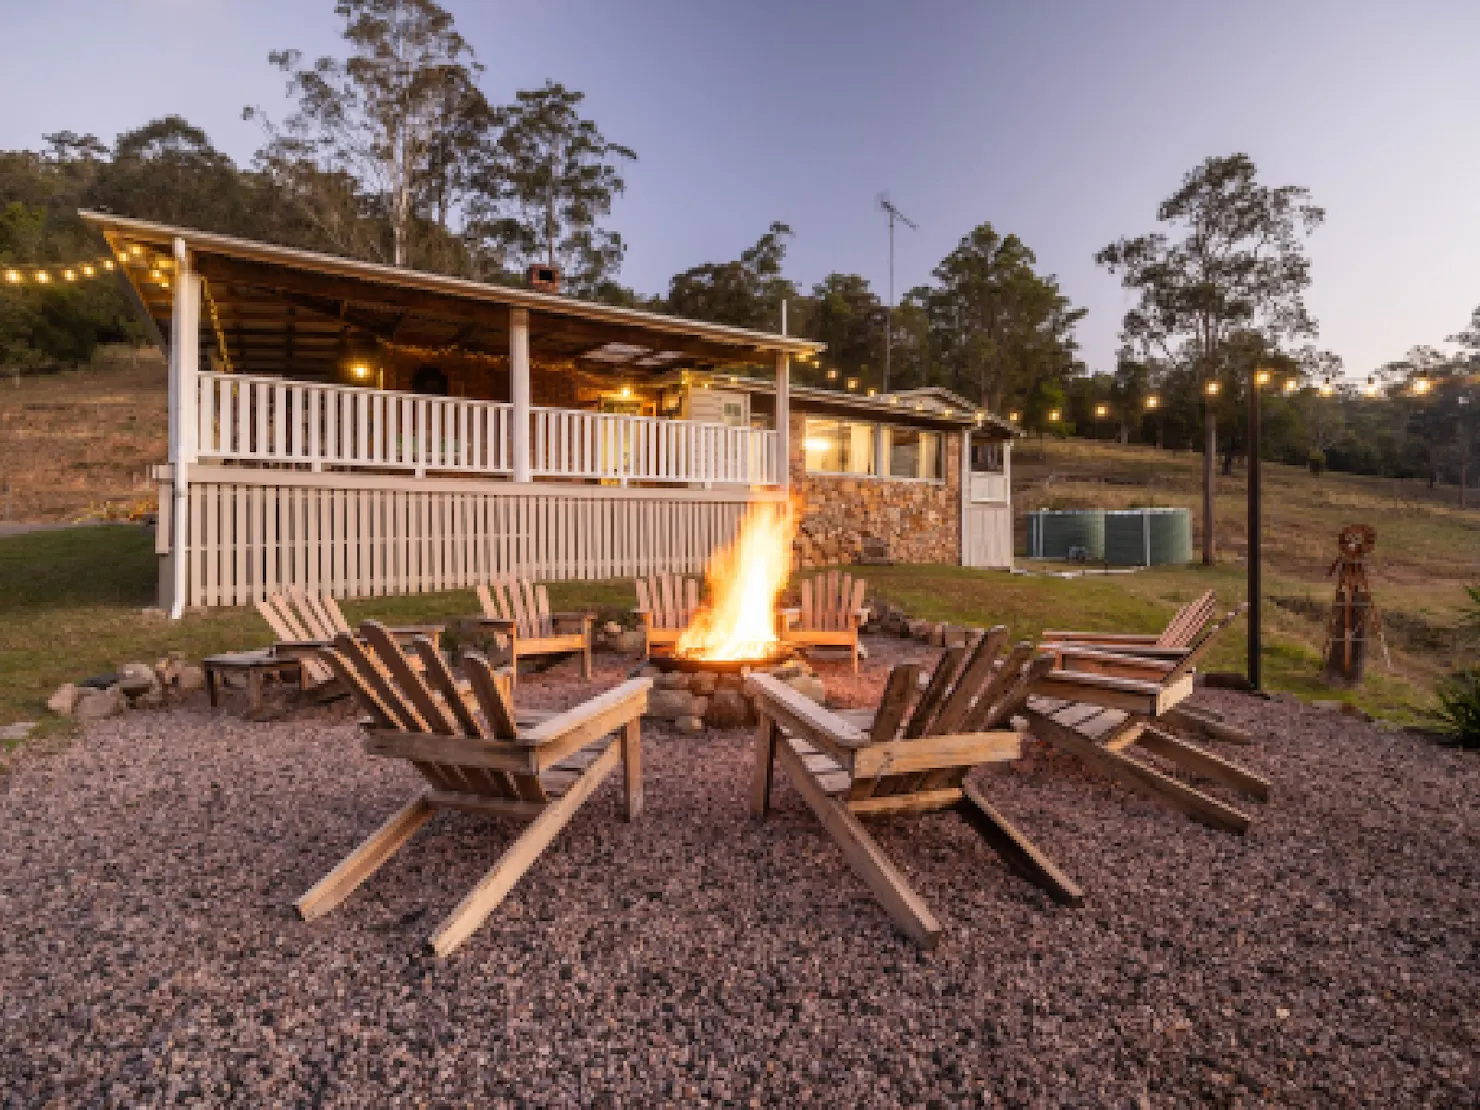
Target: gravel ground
{"points": [[150, 954]]}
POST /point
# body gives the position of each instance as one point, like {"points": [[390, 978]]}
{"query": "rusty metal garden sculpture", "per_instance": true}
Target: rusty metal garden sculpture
{"points": [[1354, 615]]}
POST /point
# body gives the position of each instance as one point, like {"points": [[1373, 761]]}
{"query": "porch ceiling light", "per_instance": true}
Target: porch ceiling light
{"points": [[42, 276], [13, 277], [359, 370], [626, 391], [851, 383], [1014, 416], [1053, 416], [832, 375], [1291, 385]]}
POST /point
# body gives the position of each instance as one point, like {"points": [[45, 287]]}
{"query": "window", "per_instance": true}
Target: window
{"points": [[986, 456], [839, 447], [914, 454]]}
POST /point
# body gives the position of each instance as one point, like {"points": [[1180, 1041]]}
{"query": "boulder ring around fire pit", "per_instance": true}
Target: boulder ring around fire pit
{"points": [[694, 694]]}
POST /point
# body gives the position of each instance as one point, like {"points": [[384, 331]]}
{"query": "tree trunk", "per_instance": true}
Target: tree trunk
{"points": [[1210, 452]]}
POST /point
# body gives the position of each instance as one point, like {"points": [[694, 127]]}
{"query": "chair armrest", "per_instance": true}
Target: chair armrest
{"points": [[1148, 652], [583, 724], [802, 716], [498, 624], [1121, 664]]}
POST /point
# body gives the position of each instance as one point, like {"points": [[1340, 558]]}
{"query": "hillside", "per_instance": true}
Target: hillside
{"points": [[81, 442]]}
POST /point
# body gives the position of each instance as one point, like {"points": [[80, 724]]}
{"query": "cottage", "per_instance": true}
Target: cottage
{"points": [[359, 429]]}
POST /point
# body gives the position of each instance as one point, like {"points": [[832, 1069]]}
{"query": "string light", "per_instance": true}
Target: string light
{"points": [[1421, 386], [1291, 385], [1211, 388], [1014, 416], [1053, 416], [53, 272], [832, 375], [1327, 388], [851, 383], [1370, 389], [1261, 377], [1102, 411], [1153, 401]]}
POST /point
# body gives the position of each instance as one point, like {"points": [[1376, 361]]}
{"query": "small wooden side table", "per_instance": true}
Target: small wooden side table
{"points": [[256, 665]]}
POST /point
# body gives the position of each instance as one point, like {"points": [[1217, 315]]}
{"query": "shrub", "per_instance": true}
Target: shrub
{"points": [[1458, 715]]}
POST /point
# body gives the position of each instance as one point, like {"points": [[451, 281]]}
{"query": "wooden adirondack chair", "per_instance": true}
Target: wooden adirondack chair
{"points": [[303, 622], [897, 761], [830, 613], [1172, 642], [666, 603], [1110, 704], [463, 739], [519, 611]]}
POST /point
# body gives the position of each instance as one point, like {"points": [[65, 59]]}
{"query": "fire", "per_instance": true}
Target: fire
{"points": [[744, 581]]}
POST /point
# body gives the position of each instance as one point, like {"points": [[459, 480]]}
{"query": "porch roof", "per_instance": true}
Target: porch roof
{"points": [[281, 310], [931, 406]]}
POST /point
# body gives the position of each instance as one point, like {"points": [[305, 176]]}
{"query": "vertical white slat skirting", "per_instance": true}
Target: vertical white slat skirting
{"points": [[251, 536]]}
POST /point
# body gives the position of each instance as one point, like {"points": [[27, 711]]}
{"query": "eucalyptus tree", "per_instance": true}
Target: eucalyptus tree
{"points": [[746, 292], [376, 121], [998, 327], [550, 177], [1232, 261]]}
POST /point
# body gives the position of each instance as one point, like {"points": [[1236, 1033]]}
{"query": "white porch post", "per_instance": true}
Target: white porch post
{"points": [[519, 391], [965, 487], [184, 402], [783, 415]]}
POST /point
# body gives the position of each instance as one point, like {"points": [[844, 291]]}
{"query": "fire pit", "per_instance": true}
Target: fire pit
{"points": [[779, 653], [701, 682]]}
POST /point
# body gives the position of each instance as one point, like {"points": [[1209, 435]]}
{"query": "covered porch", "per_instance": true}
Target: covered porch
{"points": [[359, 429]]}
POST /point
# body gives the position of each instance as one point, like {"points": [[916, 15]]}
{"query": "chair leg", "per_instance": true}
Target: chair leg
{"points": [[365, 860], [1019, 853], [763, 763], [586, 660], [632, 768], [908, 911], [484, 898]]}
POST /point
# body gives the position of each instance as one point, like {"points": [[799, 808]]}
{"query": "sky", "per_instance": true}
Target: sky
{"points": [[1065, 123]]}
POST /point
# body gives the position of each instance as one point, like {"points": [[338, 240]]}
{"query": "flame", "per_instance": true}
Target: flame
{"points": [[745, 579]]}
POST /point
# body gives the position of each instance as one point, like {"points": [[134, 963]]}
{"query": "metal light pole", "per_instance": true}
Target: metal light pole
{"points": [[1260, 377], [894, 214]]}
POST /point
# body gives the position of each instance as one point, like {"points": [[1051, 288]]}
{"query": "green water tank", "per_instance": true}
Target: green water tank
{"points": [[1148, 537], [1067, 533]]}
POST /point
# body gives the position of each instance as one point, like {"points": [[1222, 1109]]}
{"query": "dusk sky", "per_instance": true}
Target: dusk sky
{"points": [[1064, 123]]}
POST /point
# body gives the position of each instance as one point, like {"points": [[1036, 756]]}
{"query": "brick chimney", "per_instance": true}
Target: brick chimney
{"points": [[542, 278]]}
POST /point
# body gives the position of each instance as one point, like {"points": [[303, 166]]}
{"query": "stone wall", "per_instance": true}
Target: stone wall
{"points": [[919, 522]]}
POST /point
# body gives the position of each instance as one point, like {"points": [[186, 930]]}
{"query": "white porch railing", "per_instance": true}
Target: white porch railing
{"points": [[271, 420]]}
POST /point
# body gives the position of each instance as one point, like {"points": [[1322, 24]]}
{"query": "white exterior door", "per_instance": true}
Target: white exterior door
{"points": [[986, 536]]}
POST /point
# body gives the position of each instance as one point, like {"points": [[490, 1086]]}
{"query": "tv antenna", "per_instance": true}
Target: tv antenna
{"points": [[888, 205]]}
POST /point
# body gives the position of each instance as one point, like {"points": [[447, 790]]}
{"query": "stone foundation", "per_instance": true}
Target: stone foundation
{"points": [[917, 522]]}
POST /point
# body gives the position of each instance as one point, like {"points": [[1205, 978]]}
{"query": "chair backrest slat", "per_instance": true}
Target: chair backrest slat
{"points": [[807, 621], [904, 679], [940, 681], [370, 701], [855, 603], [1016, 695], [1188, 620], [274, 619], [831, 608], [546, 625], [1201, 642], [412, 686], [441, 679], [336, 615], [378, 680], [969, 685], [644, 598], [311, 619], [492, 696], [670, 600], [1006, 675]]}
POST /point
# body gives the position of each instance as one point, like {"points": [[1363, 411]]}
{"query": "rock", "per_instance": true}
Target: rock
{"points": [[190, 676], [689, 724], [704, 683], [953, 635], [17, 731], [938, 634], [64, 700], [135, 679], [918, 630], [151, 698], [668, 705], [672, 680], [809, 686], [629, 642], [153, 613], [95, 705], [98, 682], [788, 671], [612, 628], [728, 709]]}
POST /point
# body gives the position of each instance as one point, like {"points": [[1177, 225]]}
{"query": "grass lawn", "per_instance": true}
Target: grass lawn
{"points": [[71, 605]]}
